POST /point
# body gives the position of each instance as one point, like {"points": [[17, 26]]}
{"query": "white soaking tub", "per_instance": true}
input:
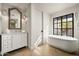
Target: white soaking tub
{"points": [[65, 43]]}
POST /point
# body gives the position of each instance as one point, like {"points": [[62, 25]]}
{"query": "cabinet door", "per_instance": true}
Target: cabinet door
{"points": [[23, 40], [16, 41]]}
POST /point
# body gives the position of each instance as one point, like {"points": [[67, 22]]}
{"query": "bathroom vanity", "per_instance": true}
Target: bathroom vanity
{"points": [[12, 42]]}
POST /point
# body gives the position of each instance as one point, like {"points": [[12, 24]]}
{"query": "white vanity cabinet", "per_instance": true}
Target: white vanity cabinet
{"points": [[13, 41]]}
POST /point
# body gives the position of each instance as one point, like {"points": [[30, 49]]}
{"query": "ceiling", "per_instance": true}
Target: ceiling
{"points": [[47, 7], [54, 7], [22, 6]]}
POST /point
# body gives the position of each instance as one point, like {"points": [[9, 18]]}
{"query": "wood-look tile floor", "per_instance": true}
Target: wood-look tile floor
{"points": [[44, 50]]}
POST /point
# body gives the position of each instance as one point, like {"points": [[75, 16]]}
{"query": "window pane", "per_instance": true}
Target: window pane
{"points": [[63, 31], [59, 25], [64, 25], [59, 19], [55, 31], [64, 19], [55, 25], [69, 17], [59, 31], [69, 24], [55, 20], [69, 32]]}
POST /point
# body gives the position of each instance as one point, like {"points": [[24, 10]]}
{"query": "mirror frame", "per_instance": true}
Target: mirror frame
{"points": [[9, 15]]}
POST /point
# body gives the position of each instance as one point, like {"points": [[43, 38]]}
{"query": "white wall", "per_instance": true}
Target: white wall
{"points": [[36, 24], [28, 25], [75, 10], [46, 18], [5, 18]]}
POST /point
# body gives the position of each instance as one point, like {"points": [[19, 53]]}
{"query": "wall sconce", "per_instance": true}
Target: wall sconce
{"points": [[25, 18]]}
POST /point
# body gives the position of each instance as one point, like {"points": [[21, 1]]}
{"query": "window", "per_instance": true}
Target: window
{"points": [[64, 25]]}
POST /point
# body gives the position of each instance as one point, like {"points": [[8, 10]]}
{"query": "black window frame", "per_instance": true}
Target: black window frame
{"points": [[61, 18]]}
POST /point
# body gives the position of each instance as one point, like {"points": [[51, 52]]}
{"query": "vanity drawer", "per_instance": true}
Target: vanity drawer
{"points": [[7, 42], [7, 48], [4, 38]]}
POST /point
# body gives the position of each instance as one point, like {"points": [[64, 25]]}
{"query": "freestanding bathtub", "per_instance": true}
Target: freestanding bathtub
{"points": [[65, 43]]}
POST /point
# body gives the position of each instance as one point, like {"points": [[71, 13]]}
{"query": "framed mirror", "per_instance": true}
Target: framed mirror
{"points": [[15, 18]]}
